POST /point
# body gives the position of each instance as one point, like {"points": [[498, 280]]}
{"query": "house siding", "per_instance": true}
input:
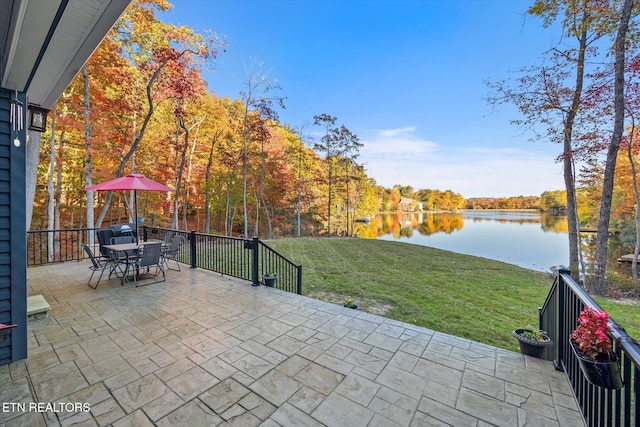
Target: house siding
{"points": [[13, 254]]}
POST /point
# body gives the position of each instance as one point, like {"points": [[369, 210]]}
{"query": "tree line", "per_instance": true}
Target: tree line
{"points": [[141, 104]]}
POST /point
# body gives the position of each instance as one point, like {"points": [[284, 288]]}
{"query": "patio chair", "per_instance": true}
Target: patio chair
{"points": [[149, 256], [99, 264], [172, 251], [104, 236]]}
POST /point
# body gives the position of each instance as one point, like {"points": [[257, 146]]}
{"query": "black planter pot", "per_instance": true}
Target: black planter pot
{"points": [[269, 280], [604, 374], [531, 347]]}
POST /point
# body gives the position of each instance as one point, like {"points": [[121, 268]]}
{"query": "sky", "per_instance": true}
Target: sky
{"points": [[407, 77]]}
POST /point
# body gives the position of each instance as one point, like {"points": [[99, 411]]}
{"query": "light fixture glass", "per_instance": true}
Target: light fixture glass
{"points": [[37, 118]]}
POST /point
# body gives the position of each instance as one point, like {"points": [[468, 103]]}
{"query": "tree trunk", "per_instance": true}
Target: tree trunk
{"points": [[88, 156], [636, 195], [568, 167], [50, 192], [58, 187], [31, 176], [330, 163], [602, 239], [207, 183]]}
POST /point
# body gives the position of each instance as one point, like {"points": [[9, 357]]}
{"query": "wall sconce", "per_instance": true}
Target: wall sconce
{"points": [[37, 118]]}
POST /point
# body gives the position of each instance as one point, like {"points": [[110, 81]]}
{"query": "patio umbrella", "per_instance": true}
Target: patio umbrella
{"points": [[133, 181]]}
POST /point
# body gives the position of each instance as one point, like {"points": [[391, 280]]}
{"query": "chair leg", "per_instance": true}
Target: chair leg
{"points": [[158, 268], [91, 277], [99, 277], [166, 261]]}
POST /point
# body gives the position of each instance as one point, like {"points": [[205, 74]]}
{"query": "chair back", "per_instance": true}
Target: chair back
{"points": [[150, 255], [92, 257], [176, 243], [104, 236], [119, 240]]}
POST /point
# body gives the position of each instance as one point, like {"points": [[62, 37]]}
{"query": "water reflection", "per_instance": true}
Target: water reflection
{"points": [[530, 239], [403, 224], [525, 238]]}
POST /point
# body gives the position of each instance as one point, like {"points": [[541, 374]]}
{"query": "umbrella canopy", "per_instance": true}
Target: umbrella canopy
{"points": [[133, 181]]}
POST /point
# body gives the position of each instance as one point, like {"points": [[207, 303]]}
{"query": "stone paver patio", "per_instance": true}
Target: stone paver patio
{"points": [[206, 350]]}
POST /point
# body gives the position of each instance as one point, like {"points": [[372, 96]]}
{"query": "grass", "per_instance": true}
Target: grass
{"points": [[467, 296]]}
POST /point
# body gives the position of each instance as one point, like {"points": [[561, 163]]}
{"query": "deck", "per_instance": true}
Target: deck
{"points": [[205, 349]]}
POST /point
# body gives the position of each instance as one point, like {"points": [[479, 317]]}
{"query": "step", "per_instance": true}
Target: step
{"points": [[37, 307]]}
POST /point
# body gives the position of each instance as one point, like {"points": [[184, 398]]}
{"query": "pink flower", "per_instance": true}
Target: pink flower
{"points": [[592, 333]]}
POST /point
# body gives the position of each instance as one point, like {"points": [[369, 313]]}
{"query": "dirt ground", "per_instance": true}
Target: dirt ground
{"points": [[369, 305]]}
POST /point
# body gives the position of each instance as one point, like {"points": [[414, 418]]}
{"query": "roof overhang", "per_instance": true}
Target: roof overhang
{"points": [[44, 43]]}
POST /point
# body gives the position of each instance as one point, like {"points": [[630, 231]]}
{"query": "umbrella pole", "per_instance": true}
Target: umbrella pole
{"points": [[135, 220]]}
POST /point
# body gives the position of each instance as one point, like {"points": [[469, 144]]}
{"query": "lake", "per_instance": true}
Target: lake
{"points": [[529, 239]]}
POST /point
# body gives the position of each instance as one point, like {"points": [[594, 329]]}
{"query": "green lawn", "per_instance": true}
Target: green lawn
{"points": [[462, 295]]}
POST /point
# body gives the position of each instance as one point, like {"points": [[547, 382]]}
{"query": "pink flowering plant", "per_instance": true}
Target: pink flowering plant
{"points": [[592, 334]]}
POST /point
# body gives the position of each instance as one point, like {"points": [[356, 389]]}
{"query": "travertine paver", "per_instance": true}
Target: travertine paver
{"points": [[201, 349]]}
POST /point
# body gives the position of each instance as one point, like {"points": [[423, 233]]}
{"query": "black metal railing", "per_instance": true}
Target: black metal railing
{"points": [[599, 406], [248, 259], [289, 275], [55, 246]]}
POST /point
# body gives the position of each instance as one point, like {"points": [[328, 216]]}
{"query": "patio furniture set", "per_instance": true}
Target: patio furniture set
{"points": [[123, 256]]}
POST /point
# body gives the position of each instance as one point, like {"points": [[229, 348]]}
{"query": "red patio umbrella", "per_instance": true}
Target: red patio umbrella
{"points": [[133, 181]]}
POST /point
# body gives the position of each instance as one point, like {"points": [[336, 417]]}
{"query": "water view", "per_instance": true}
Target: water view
{"points": [[529, 239]]}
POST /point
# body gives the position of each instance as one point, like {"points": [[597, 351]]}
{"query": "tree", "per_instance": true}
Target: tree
{"points": [[602, 239], [162, 55], [548, 94], [335, 142]]}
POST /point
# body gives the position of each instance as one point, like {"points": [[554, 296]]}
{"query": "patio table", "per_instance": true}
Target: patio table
{"points": [[128, 248]]}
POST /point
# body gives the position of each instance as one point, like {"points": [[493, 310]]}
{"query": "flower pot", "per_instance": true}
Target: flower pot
{"points": [[269, 280], [531, 347], [604, 374]]}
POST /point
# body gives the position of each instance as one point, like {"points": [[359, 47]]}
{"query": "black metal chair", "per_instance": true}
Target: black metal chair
{"points": [[99, 264], [173, 250], [104, 236], [149, 255]]}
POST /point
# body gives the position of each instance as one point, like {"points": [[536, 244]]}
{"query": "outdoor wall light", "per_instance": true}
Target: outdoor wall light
{"points": [[37, 118]]}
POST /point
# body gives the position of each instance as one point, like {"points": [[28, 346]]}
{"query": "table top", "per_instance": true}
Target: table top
{"points": [[130, 246], [122, 247]]}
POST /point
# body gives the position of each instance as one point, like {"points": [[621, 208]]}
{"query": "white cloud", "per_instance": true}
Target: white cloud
{"points": [[399, 143], [396, 132], [398, 156]]}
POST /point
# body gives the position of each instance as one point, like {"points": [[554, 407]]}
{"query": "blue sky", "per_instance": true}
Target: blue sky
{"points": [[406, 76]]}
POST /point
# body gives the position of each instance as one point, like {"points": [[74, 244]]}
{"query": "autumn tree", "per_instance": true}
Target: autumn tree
{"points": [[551, 94], [602, 242], [337, 141], [161, 60]]}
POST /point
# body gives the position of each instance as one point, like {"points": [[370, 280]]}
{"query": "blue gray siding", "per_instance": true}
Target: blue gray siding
{"points": [[13, 254]]}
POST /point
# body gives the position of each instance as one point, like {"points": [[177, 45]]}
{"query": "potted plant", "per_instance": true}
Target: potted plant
{"points": [[591, 343], [269, 279], [532, 341], [350, 304]]}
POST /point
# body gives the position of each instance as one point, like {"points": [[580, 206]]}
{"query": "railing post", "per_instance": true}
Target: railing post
{"points": [[560, 319], [145, 236], [192, 249], [255, 261], [299, 284]]}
